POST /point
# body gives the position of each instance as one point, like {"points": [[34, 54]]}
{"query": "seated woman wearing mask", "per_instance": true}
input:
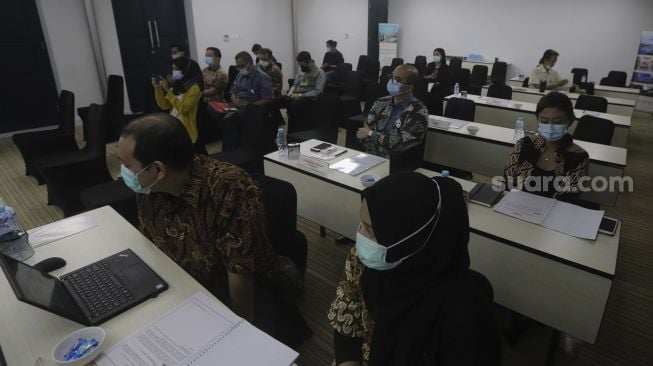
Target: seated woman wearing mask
{"points": [[441, 79], [536, 161], [544, 72], [181, 99], [408, 296]]}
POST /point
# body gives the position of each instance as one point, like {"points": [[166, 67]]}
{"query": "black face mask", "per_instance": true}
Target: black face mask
{"points": [[305, 68]]}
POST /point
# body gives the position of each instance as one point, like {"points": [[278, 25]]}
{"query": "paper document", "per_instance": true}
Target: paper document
{"points": [[60, 229], [357, 164], [200, 331], [434, 121], [552, 214]]}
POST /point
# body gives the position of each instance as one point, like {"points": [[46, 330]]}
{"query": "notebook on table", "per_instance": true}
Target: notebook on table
{"points": [[485, 194], [199, 332], [90, 295]]}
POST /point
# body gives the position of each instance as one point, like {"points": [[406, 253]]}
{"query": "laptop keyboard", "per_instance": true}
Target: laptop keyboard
{"points": [[99, 289]]}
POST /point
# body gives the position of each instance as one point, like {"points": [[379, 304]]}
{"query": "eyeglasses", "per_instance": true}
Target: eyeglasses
{"points": [[397, 79]]}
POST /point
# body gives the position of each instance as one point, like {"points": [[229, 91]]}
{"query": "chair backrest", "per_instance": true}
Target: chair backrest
{"points": [[499, 70], [343, 71], [95, 131], [618, 77], [455, 64], [407, 158], [420, 89], [353, 82], [66, 112], [479, 75], [327, 117], [363, 63], [280, 204], [460, 108], [385, 71], [578, 75], [502, 91], [233, 72], [421, 69], [396, 62], [115, 95], [462, 77], [594, 129], [592, 103], [256, 124], [373, 92], [420, 60], [372, 72], [526, 82]]}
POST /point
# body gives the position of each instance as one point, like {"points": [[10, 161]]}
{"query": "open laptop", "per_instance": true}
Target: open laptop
{"points": [[90, 295]]}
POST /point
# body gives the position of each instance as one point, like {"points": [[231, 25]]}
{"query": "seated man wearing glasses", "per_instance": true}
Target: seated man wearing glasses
{"points": [[397, 119]]}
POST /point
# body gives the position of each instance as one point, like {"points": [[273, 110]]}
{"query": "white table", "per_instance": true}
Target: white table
{"points": [[27, 332], [466, 64], [488, 151], [504, 113], [619, 106], [516, 81], [559, 280], [616, 92]]}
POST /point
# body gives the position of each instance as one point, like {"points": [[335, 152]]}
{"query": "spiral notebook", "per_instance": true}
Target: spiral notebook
{"points": [[198, 332]]}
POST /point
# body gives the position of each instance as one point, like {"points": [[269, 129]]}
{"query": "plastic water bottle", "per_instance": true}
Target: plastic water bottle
{"points": [[583, 79], [7, 219], [282, 144], [519, 129], [444, 173], [456, 90]]}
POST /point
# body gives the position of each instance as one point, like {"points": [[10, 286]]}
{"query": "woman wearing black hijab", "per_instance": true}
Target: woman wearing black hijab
{"points": [[182, 97], [408, 296]]}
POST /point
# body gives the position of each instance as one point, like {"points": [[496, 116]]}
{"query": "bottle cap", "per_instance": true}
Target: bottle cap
{"points": [[445, 173]]}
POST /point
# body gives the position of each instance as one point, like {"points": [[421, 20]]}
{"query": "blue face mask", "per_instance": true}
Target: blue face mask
{"points": [[437, 59], [243, 71], [552, 132], [209, 61], [177, 75], [131, 180], [373, 255], [393, 87], [264, 63]]}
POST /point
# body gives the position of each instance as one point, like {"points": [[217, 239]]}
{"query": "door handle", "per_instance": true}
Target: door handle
{"points": [[149, 27], [156, 32]]}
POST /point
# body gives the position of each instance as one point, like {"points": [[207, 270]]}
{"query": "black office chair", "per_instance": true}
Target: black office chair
{"points": [[114, 110], [430, 68], [420, 89], [462, 78], [460, 108], [67, 174], [257, 133], [420, 64], [455, 64], [350, 99], [115, 194], [594, 129], [34, 144], [615, 78], [386, 71], [353, 123], [363, 63], [499, 70], [338, 85], [477, 79], [396, 62], [525, 83], [233, 72], [325, 118], [370, 76], [280, 202], [407, 158], [420, 59], [502, 91], [592, 103], [579, 73]]}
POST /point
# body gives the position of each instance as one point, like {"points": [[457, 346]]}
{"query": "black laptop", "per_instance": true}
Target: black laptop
{"points": [[90, 295]]}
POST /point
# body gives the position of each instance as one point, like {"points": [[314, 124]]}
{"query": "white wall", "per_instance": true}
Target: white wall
{"points": [[600, 35], [69, 44], [253, 21], [108, 35], [320, 20]]}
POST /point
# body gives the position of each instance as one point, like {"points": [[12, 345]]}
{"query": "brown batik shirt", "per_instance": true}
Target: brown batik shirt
{"points": [[216, 224]]}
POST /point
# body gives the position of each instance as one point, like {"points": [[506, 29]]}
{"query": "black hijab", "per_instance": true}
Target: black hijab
{"points": [[410, 302], [191, 75]]}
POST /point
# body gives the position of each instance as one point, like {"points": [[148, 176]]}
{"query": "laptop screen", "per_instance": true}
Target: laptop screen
{"points": [[37, 288]]}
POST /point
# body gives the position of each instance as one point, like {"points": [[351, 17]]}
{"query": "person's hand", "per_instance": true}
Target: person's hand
{"points": [[362, 133], [296, 96], [290, 94], [325, 65], [170, 79], [164, 85], [155, 83], [239, 102]]}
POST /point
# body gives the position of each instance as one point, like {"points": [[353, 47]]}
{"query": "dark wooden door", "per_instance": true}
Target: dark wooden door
{"points": [[28, 93], [146, 29]]}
